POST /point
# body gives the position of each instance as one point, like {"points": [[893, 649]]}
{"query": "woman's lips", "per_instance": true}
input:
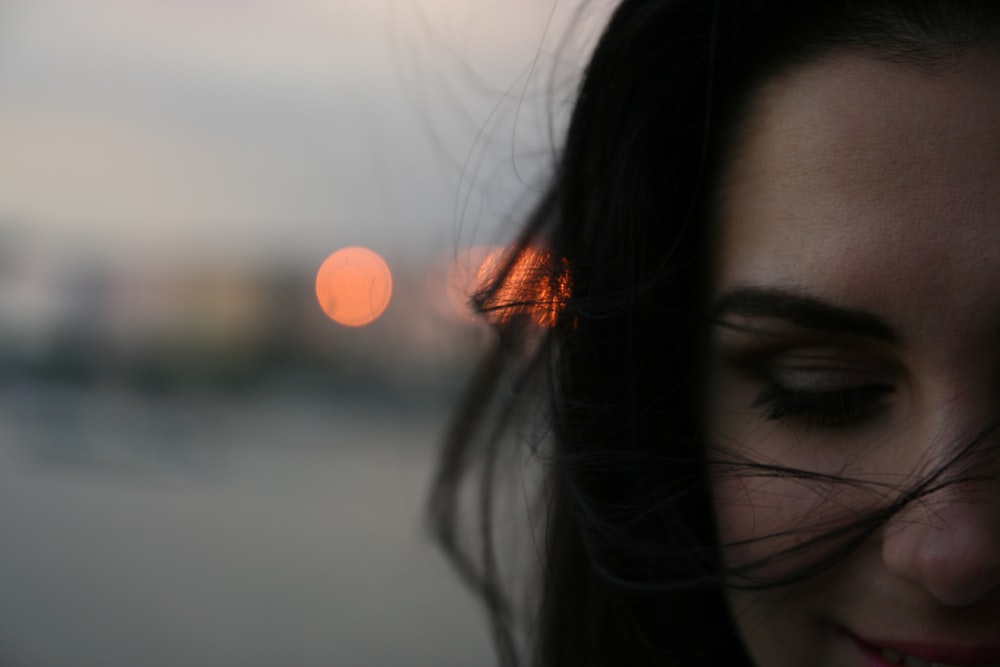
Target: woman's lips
{"points": [[926, 654]]}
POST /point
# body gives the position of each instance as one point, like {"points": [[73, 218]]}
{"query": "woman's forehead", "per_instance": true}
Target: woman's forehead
{"points": [[859, 179]]}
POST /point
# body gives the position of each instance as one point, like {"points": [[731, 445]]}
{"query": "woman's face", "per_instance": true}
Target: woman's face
{"points": [[857, 335]]}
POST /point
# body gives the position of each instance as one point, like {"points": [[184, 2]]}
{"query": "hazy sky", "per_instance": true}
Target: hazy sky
{"points": [[270, 128]]}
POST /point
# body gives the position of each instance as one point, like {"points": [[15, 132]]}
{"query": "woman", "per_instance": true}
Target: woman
{"points": [[773, 242]]}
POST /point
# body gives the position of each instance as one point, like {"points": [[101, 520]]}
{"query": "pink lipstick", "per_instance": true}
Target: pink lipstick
{"points": [[886, 653]]}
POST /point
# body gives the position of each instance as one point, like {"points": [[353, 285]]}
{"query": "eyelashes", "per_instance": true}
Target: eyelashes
{"points": [[833, 408], [805, 381]]}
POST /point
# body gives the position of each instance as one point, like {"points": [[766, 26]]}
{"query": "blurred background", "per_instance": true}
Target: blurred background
{"points": [[210, 453]]}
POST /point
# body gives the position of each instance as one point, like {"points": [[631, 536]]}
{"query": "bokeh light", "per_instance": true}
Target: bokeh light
{"points": [[353, 286]]}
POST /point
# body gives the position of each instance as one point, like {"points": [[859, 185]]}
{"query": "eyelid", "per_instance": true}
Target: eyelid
{"points": [[822, 374], [812, 368]]}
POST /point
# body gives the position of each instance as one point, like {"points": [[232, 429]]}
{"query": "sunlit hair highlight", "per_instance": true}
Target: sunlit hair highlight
{"points": [[527, 284]]}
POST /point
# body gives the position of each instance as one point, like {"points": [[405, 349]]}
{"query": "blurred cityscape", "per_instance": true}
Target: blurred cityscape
{"points": [[230, 328], [199, 467]]}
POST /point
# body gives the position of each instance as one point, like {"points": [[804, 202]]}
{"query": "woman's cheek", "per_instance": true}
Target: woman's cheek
{"points": [[779, 491], [760, 518]]}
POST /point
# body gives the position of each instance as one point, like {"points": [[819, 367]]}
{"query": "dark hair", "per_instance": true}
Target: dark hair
{"points": [[630, 570]]}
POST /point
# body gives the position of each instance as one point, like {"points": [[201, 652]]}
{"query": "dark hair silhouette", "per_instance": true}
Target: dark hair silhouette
{"points": [[630, 570]]}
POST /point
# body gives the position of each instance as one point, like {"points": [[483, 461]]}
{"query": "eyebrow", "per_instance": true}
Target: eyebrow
{"points": [[804, 311]]}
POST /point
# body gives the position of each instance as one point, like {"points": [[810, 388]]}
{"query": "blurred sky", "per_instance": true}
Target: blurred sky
{"points": [[171, 130]]}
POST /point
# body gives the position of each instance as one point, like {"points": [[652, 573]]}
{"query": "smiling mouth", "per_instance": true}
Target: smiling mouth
{"points": [[897, 658], [928, 655]]}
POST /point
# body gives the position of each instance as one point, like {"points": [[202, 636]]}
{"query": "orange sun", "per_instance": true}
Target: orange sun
{"points": [[353, 286]]}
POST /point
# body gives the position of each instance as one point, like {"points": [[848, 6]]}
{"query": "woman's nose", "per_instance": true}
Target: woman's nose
{"points": [[948, 542]]}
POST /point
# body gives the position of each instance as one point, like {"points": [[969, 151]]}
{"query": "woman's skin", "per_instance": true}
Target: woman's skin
{"points": [[857, 333]]}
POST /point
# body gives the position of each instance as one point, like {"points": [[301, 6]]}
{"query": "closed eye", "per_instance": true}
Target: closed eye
{"points": [[832, 409]]}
